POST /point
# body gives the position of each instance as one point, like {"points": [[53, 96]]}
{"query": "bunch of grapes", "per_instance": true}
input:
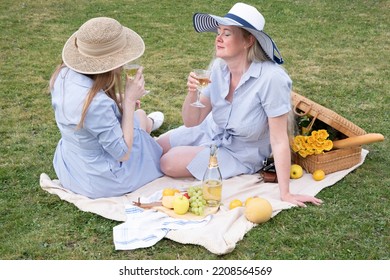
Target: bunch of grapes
{"points": [[197, 202]]}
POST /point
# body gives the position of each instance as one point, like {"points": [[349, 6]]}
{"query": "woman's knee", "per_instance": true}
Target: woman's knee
{"points": [[143, 120], [164, 142], [174, 167], [174, 163], [166, 165], [141, 113]]}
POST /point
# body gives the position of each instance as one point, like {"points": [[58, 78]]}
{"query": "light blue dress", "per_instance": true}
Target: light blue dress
{"points": [[240, 128], [86, 160]]}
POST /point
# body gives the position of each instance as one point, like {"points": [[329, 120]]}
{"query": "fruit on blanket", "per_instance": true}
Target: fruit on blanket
{"points": [[197, 202], [296, 171], [248, 199], [181, 204], [318, 175], [235, 203], [169, 191], [258, 210], [167, 201], [186, 195]]}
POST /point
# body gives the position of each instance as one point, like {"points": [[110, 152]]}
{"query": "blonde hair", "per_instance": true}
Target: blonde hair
{"points": [[105, 81], [255, 52]]}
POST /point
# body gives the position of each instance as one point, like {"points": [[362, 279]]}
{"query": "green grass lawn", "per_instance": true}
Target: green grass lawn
{"points": [[336, 52]]}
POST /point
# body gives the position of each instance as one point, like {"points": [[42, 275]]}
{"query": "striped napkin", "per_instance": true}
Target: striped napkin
{"points": [[145, 227]]}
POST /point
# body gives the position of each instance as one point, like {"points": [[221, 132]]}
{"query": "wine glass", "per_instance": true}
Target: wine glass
{"points": [[131, 69], [203, 76]]}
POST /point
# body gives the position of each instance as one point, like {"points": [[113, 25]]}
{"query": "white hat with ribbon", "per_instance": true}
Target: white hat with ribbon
{"points": [[244, 16]]}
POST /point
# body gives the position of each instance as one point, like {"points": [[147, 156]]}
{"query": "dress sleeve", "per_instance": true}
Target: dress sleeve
{"points": [[103, 123], [276, 94]]}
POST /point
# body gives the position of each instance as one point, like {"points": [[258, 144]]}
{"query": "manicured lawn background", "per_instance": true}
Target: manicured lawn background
{"points": [[336, 52]]}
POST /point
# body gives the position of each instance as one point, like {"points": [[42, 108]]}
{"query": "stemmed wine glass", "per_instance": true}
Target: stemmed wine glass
{"points": [[203, 76], [131, 69]]}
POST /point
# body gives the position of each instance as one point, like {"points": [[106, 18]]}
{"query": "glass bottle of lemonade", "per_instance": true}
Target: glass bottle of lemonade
{"points": [[212, 180]]}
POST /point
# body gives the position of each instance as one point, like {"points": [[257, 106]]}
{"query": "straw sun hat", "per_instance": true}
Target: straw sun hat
{"points": [[100, 45], [244, 16]]}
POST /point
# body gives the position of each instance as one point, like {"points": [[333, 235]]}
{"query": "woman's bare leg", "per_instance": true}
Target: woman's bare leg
{"points": [[175, 161], [145, 122], [163, 141]]}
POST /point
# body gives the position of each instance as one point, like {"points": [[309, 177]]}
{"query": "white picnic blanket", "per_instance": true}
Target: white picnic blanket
{"points": [[142, 228]]}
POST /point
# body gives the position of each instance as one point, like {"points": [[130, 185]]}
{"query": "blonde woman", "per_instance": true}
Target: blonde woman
{"points": [[105, 148], [247, 106]]}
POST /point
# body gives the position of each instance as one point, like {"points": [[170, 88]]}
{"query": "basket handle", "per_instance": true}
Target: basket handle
{"points": [[312, 121], [306, 130], [303, 113]]}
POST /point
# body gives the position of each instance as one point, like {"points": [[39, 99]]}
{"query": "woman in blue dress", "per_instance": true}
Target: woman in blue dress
{"points": [[246, 109], [105, 148]]}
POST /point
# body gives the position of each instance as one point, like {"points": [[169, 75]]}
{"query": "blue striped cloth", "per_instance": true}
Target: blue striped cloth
{"points": [[144, 228]]}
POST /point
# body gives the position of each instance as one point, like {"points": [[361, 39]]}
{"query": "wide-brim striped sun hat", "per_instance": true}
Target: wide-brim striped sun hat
{"points": [[244, 16], [100, 45]]}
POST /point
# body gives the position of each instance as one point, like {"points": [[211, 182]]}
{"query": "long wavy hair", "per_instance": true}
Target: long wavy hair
{"points": [[108, 82]]}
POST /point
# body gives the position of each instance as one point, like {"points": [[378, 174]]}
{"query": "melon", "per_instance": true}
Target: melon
{"points": [[258, 210]]}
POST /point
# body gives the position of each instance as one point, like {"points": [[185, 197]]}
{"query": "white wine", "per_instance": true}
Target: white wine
{"points": [[131, 69], [212, 191], [203, 82], [202, 76], [212, 180]]}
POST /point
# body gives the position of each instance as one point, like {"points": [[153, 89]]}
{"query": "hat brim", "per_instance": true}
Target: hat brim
{"points": [[72, 58], [209, 23]]}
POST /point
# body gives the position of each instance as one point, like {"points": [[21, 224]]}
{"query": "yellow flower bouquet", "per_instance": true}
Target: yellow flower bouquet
{"points": [[314, 144]]}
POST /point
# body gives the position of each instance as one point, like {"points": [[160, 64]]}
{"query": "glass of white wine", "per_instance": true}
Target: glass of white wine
{"points": [[203, 76], [131, 69]]}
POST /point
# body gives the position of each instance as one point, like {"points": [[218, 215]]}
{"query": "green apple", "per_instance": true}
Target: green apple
{"points": [[181, 204], [296, 171]]}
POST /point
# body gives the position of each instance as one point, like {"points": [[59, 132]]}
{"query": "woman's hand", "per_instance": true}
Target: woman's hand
{"points": [[192, 83], [135, 88], [300, 199], [191, 115], [281, 152]]}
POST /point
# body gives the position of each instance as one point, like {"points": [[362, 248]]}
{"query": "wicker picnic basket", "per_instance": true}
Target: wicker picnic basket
{"points": [[334, 160], [331, 161]]}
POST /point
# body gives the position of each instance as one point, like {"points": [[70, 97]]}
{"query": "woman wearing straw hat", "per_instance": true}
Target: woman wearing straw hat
{"points": [[247, 105], [105, 148]]}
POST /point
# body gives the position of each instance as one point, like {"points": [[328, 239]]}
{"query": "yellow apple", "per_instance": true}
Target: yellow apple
{"points": [[235, 203], [181, 204], [318, 175], [296, 171]]}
